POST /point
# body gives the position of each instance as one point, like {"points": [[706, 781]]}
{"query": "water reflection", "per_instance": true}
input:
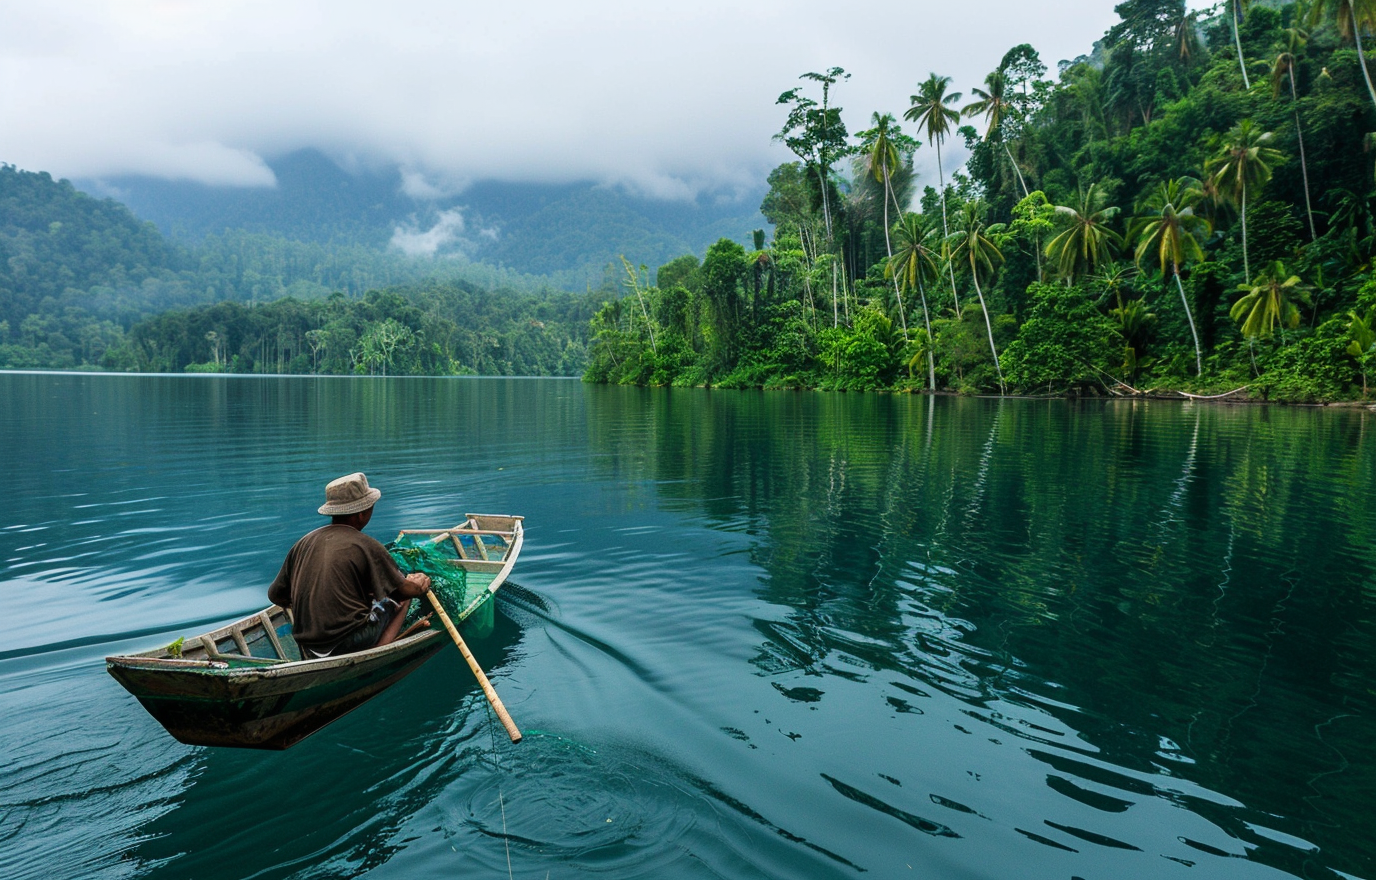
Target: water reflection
{"points": [[1158, 603]]}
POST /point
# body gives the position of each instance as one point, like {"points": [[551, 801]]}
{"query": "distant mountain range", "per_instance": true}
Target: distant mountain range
{"points": [[567, 231]]}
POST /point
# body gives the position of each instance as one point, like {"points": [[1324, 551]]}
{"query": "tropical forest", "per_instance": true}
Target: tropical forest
{"points": [[1187, 209]]}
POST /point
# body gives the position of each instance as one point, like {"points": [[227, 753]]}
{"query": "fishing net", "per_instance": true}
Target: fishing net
{"points": [[448, 580]]}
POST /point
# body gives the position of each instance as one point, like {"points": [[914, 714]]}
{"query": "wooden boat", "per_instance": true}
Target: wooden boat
{"points": [[246, 685]]}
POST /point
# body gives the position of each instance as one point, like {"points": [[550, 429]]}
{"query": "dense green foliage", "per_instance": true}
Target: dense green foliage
{"points": [[78, 274], [435, 329], [1189, 207]]}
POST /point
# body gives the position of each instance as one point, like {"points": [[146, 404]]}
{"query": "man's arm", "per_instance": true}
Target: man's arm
{"points": [[279, 593]]}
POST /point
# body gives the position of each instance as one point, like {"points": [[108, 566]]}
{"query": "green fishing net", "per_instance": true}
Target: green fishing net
{"points": [[448, 580]]}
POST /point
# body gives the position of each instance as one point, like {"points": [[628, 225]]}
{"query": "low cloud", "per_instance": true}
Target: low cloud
{"points": [[415, 242], [669, 101]]}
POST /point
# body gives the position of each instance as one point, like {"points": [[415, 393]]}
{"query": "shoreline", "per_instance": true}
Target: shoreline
{"points": [[1237, 397]]}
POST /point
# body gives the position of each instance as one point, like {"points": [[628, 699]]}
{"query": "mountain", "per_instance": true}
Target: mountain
{"points": [[55, 239], [567, 231]]}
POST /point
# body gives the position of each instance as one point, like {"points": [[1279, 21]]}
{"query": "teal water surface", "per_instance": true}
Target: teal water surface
{"points": [[771, 635]]}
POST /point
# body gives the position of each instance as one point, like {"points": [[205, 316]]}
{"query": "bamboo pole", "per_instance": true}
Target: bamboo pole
{"points": [[478, 673]]}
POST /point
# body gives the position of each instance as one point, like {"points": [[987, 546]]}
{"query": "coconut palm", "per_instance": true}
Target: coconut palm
{"points": [[932, 112], [1243, 163], [1282, 71], [1186, 35], [1134, 323], [1168, 230], [914, 265], [883, 146], [972, 244], [1351, 17], [1087, 241], [1270, 302], [994, 105]]}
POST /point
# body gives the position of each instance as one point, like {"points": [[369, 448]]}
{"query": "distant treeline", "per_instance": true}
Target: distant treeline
{"points": [[438, 329], [77, 273], [1190, 207]]}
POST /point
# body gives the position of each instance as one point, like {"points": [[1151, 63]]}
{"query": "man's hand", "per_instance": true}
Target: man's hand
{"points": [[417, 585]]}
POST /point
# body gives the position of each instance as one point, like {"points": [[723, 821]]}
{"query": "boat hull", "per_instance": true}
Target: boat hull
{"points": [[272, 708]]}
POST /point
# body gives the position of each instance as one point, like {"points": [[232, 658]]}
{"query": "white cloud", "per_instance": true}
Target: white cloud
{"points": [[415, 242], [667, 99]]}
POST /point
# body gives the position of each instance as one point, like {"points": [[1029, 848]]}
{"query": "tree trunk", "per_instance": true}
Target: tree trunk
{"points": [[1304, 166], [1361, 53], [826, 217], [888, 249], [1198, 355], [989, 325], [1232, 16], [1246, 266], [931, 341], [945, 227], [1016, 169]]}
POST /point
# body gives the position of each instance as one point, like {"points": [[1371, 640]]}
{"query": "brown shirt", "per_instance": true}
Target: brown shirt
{"points": [[329, 580]]}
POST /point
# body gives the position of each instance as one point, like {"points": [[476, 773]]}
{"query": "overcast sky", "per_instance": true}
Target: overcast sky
{"points": [[670, 99]]}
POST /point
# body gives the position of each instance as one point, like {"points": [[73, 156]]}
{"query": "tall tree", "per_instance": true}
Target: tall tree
{"points": [[1281, 72], [914, 264], [995, 106], [816, 134], [884, 145], [1087, 240], [1242, 164], [931, 110], [1168, 230], [973, 245]]}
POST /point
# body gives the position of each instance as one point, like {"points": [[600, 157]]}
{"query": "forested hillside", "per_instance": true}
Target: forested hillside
{"points": [[1190, 206], [77, 273]]}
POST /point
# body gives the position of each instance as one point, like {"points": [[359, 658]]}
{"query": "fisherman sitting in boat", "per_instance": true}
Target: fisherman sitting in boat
{"points": [[345, 592]]}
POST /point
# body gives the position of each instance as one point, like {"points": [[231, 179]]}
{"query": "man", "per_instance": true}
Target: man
{"points": [[345, 592]]}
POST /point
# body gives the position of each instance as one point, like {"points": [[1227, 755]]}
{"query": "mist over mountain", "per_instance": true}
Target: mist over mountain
{"points": [[569, 230]]}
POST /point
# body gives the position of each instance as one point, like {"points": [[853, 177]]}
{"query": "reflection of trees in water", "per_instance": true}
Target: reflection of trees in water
{"points": [[1201, 574]]}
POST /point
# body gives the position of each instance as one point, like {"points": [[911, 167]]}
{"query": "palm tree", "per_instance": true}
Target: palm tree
{"points": [[1351, 17], [1362, 341], [974, 245], [1237, 9], [1186, 35], [1244, 162], [1086, 240], [1284, 69], [931, 111], [883, 144], [1269, 302], [994, 105], [914, 265], [1167, 228]]}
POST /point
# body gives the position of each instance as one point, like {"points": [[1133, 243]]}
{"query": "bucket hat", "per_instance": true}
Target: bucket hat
{"points": [[347, 495]]}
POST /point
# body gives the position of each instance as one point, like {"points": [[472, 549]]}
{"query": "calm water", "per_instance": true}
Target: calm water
{"points": [[772, 635]]}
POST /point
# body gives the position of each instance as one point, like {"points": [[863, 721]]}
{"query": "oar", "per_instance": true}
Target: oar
{"points": [[492, 697]]}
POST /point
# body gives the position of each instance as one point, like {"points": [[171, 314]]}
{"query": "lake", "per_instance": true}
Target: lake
{"points": [[783, 635]]}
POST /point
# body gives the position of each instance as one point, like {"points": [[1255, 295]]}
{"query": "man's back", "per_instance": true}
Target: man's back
{"points": [[329, 580]]}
